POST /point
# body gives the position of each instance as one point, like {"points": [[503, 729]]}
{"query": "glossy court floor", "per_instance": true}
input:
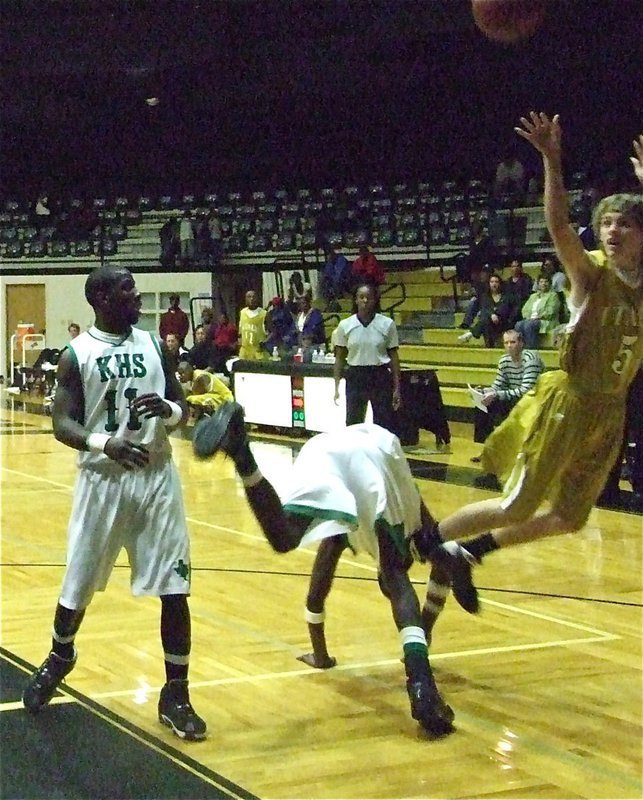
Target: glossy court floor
{"points": [[546, 682]]}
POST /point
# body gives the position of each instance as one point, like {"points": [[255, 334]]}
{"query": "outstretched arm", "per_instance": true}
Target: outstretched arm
{"points": [[544, 135], [321, 580]]}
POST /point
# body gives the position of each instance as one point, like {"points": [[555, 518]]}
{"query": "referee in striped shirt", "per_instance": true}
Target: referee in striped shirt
{"points": [[518, 371]]}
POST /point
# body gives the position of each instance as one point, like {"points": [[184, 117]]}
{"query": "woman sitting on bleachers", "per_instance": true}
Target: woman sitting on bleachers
{"points": [[540, 314], [494, 316]]}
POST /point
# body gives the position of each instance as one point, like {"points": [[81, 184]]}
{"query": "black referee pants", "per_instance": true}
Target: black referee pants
{"points": [[369, 383]]}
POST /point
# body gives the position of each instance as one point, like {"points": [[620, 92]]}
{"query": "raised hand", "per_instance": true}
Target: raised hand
{"points": [[542, 133], [637, 158]]}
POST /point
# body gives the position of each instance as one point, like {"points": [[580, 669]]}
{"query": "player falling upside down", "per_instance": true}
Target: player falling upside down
{"points": [[354, 484], [561, 439]]}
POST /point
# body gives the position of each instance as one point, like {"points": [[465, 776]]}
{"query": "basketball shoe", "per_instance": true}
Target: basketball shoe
{"points": [[225, 430], [428, 708], [45, 680], [176, 712], [455, 560]]}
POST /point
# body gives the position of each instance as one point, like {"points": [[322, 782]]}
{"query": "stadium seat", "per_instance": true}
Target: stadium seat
{"points": [[145, 203], [14, 249], [133, 216], [267, 226], [285, 241], [83, 247], [289, 224], [243, 226], [308, 240], [105, 246], [99, 203], [245, 211], [188, 200], [35, 249], [234, 198], [258, 198], [167, 202], [328, 195], [355, 238], [376, 190], [59, 248], [8, 233], [234, 243], [116, 230], [383, 237], [437, 234], [29, 233], [121, 203], [409, 237], [258, 243]]}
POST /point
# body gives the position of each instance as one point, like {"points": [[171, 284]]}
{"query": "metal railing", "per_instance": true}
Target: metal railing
{"points": [[390, 309]]}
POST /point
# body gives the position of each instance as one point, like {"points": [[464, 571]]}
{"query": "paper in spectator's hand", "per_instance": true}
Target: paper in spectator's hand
{"points": [[476, 397]]}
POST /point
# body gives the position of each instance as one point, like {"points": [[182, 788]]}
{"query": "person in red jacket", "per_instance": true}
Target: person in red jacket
{"points": [[225, 338], [367, 268], [174, 320]]}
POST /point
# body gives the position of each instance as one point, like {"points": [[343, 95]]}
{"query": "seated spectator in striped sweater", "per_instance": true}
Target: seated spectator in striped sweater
{"points": [[518, 371]]}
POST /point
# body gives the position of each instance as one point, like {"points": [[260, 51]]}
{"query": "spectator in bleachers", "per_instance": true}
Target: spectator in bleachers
{"points": [[520, 286], [367, 268], [335, 279], [41, 209], [519, 282], [552, 269], [73, 329], [496, 305], [225, 339], [510, 178], [518, 371], [175, 348], [310, 323], [201, 354], [174, 320], [169, 236], [281, 328], [252, 330], [216, 236], [186, 237], [297, 287], [482, 253], [540, 314], [478, 288], [202, 239]]}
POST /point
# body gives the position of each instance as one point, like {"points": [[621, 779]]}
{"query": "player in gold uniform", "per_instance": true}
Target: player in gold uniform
{"points": [[252, 331], [561, 439]]}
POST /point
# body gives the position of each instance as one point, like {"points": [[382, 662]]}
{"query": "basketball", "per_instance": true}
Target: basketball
{"points": [[508, 21]]}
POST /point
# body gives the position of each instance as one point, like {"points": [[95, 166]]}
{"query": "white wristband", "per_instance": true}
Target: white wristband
{"points": [[314, 619], [96, 442], [175, 417]]}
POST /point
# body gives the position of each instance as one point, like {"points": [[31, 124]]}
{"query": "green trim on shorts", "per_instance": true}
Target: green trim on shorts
{"points": [[320, 513], [396, 534]]}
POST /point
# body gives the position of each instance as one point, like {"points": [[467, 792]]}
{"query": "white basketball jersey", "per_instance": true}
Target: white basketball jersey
{"points": [[114, 371]]}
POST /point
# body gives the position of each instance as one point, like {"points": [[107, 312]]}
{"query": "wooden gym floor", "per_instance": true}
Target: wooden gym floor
{"points": [[546, 682]]}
